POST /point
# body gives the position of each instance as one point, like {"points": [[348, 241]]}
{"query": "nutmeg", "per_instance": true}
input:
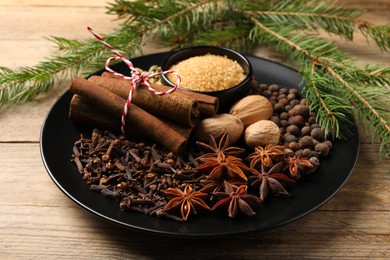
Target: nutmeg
{"points": [[217, 126], [251, 109], [261, 133]]}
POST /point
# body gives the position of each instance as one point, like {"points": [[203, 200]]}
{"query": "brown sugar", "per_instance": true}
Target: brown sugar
{"points": [[208, 73]]}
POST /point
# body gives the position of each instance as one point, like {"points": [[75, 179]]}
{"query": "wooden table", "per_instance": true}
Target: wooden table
{"points": [[38, 221]]}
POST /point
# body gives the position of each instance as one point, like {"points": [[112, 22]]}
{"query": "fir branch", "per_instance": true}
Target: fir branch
{"points": [[334, 83], [321, 103], [228, 36], [64, 44], [332, 113], [327, 15], [378, 118], [27, 82], [165, 16], [313, 15]]}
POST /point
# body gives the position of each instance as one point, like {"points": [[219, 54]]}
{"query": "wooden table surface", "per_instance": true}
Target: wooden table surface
{"points": [[38, 221]]}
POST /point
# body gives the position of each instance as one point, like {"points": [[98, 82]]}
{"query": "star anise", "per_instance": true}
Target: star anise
{"points": [[235, 199], [212, 186], [296, 165], [223, 167], [266, 155], [187, 200], [221, 148], [271, 181]]}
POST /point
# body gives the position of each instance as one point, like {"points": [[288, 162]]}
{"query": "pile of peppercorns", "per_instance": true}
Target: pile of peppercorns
{"points": [[300, 133]]}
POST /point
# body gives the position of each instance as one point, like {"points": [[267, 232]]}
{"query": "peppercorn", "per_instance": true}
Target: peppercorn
{"points": [[293, 129], [299, 110], [253, 83], [291, 96], [276, 120], [294, 102], [288, 152], [329, 143], [284, 91], [305, 130], [315, 125], [284, 101], [284, 116], [315, 162], [263, 86], [282, 130], [294, 146], [288, 137], [294, 91], [298, 153], [306, 141], [297, 120], [311, 120], [318, 134], [322, 149], [266, 93], [279, 108], [284, 123], [306, 152], [314, 153], [274, 87]]}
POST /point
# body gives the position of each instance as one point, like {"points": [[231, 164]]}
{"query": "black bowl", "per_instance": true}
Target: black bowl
{"points": [[227, 96]]}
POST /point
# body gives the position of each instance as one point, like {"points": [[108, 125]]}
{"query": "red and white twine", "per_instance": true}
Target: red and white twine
{"points": [[135, 79]]}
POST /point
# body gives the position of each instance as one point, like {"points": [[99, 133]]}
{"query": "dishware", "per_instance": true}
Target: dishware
{"points": [[227, 96], [59, 134]]}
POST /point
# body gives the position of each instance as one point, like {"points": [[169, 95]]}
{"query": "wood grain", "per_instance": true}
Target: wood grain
{"points": [[37, 221]]}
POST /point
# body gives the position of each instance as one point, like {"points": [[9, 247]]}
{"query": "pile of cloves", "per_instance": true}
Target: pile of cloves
{"points": [[134, 173]]}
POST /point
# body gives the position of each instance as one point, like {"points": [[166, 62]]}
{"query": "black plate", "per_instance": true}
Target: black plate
{"points": [[59, 133]]}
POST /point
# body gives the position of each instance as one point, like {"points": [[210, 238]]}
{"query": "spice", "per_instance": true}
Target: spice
{"points": [[134, 173], [235, 199], [207, 105], [187, 200], [266, 155], [136, 117], [215, 150], [146, 178], [175, 107], [271, 181], [208, 73]]}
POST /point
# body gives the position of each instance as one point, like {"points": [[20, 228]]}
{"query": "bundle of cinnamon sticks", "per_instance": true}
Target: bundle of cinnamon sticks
{"points": [[169, 119]]}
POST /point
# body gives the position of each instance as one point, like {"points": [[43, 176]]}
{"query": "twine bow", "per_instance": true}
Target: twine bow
{"points": [[135, 79]]}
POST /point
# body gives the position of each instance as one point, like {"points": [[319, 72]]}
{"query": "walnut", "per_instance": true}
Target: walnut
{"points": [[261, 133]]}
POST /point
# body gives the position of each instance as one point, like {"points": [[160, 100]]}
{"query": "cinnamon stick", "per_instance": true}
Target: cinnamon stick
{"points": [[136, 117], [208, 105], [84, 112], [173, 106]]}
